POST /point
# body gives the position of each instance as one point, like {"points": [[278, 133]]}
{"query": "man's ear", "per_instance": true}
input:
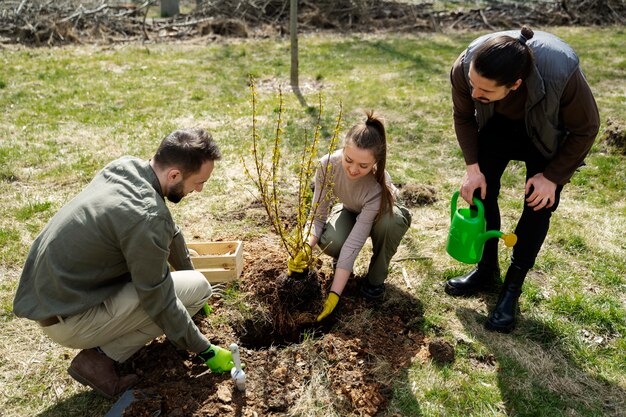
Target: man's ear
{"points": [[173, 174], [516, 84]]}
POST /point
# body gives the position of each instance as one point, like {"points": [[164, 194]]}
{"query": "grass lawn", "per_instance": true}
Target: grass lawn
{"points": [[69, 111]]}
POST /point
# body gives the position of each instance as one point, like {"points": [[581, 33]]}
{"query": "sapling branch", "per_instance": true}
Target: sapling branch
{"points": [[267, 179]]}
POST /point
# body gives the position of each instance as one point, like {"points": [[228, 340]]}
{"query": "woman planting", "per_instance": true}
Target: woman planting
{"points": [[365, 206]]}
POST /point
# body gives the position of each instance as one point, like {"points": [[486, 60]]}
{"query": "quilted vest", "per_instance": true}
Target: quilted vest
{"points": [[555, 62]]}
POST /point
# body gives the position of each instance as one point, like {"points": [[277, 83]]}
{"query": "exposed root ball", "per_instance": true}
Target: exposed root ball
{"points": [[299, 293], [291, 305]]}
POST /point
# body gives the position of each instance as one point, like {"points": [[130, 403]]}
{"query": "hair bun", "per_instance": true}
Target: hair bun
{"points": [[526, 33]]}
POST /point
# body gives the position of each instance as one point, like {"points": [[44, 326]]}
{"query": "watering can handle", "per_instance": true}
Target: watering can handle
{"points": [[481, 208], [477, 203], [455, 197]]}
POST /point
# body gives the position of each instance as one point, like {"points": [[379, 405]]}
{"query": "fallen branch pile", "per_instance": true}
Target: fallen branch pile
{"points": [[351, 15], [52, 22], [57, 22]]}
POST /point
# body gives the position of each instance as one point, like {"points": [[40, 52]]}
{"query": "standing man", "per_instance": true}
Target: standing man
{"points": [[97, 277], [518, 96]]}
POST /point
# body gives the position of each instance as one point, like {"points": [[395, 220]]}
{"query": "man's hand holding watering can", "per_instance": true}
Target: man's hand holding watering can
{"points": [[473, 180]]}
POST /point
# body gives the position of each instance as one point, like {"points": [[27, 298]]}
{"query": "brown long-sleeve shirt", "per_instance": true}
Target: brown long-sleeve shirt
{"points": [[578, 113]]}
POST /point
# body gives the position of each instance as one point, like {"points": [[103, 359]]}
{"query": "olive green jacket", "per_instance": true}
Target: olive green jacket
{"points": [[118, 229]]}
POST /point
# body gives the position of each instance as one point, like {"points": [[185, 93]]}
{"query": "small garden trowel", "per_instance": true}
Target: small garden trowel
{"points": [[237, 374]]}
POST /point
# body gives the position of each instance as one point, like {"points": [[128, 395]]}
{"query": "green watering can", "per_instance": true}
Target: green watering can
{"points": [[467, 236]]}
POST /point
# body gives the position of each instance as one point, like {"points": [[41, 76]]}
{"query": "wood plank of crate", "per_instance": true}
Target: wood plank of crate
{"points": [[218, 261]]}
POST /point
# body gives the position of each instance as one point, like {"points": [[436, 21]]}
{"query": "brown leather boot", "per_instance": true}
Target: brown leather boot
{"points": [[95, 369]]}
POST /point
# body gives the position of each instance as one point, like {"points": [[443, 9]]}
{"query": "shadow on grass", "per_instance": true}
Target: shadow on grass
{"points": [[298, 93], [84, 404], [421, 63], [537, 374]]}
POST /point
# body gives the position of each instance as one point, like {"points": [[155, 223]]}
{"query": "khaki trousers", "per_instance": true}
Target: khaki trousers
{"points": [[119, 326]]}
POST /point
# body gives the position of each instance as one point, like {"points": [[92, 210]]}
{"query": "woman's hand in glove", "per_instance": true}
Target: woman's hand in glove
{"points": [[329, 305]]}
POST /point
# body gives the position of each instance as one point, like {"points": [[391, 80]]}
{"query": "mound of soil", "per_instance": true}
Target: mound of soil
{"points": [[415, 195], [441, 351], [615, 136], [350, 360]]}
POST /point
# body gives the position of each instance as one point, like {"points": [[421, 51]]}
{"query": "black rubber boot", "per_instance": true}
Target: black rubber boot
{"points": [[480, 278], [502, 318]]}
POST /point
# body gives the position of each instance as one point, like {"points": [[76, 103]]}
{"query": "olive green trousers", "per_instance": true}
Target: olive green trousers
{"points": [[386, 234]]}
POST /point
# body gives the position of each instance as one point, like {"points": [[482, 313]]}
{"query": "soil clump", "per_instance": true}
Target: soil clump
{"points": [[615, 136], [441, 352], [415, 195]]}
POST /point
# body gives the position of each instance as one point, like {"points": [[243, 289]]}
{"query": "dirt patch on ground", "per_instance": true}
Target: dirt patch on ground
{"points": [[415, 195], [615, 136], [441, 352], [349, 362]]}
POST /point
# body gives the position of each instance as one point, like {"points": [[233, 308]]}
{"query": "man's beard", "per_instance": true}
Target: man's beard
{"points": [[175, 194]]}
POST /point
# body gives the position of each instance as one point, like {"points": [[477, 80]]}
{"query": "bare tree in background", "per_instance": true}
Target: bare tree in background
{"points": [[170, 8], [293, 30]]}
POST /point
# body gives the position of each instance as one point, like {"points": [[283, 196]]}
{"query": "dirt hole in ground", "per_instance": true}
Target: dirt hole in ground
{"points": [[350, 363], [286, 312]]}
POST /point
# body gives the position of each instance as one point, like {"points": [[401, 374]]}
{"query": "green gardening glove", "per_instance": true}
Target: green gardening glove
{"points": [[218, 359]]}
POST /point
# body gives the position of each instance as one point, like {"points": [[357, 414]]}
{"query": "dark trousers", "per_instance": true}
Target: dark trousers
{"points": [[500, 142]]}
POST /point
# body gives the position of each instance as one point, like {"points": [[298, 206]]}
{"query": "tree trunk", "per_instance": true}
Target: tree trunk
{"points": [[293, 29], [170, 8]]}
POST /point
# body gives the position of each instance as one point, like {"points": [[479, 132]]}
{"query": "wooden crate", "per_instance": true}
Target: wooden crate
{"points": [[218, 261]]}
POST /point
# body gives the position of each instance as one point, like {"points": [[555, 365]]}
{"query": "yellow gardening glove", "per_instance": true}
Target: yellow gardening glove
{"points": [[329, 305], [301, 261]]}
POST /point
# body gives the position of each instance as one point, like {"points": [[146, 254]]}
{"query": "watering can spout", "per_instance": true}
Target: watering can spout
{"points": [[510, 239], [483, 237]]}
